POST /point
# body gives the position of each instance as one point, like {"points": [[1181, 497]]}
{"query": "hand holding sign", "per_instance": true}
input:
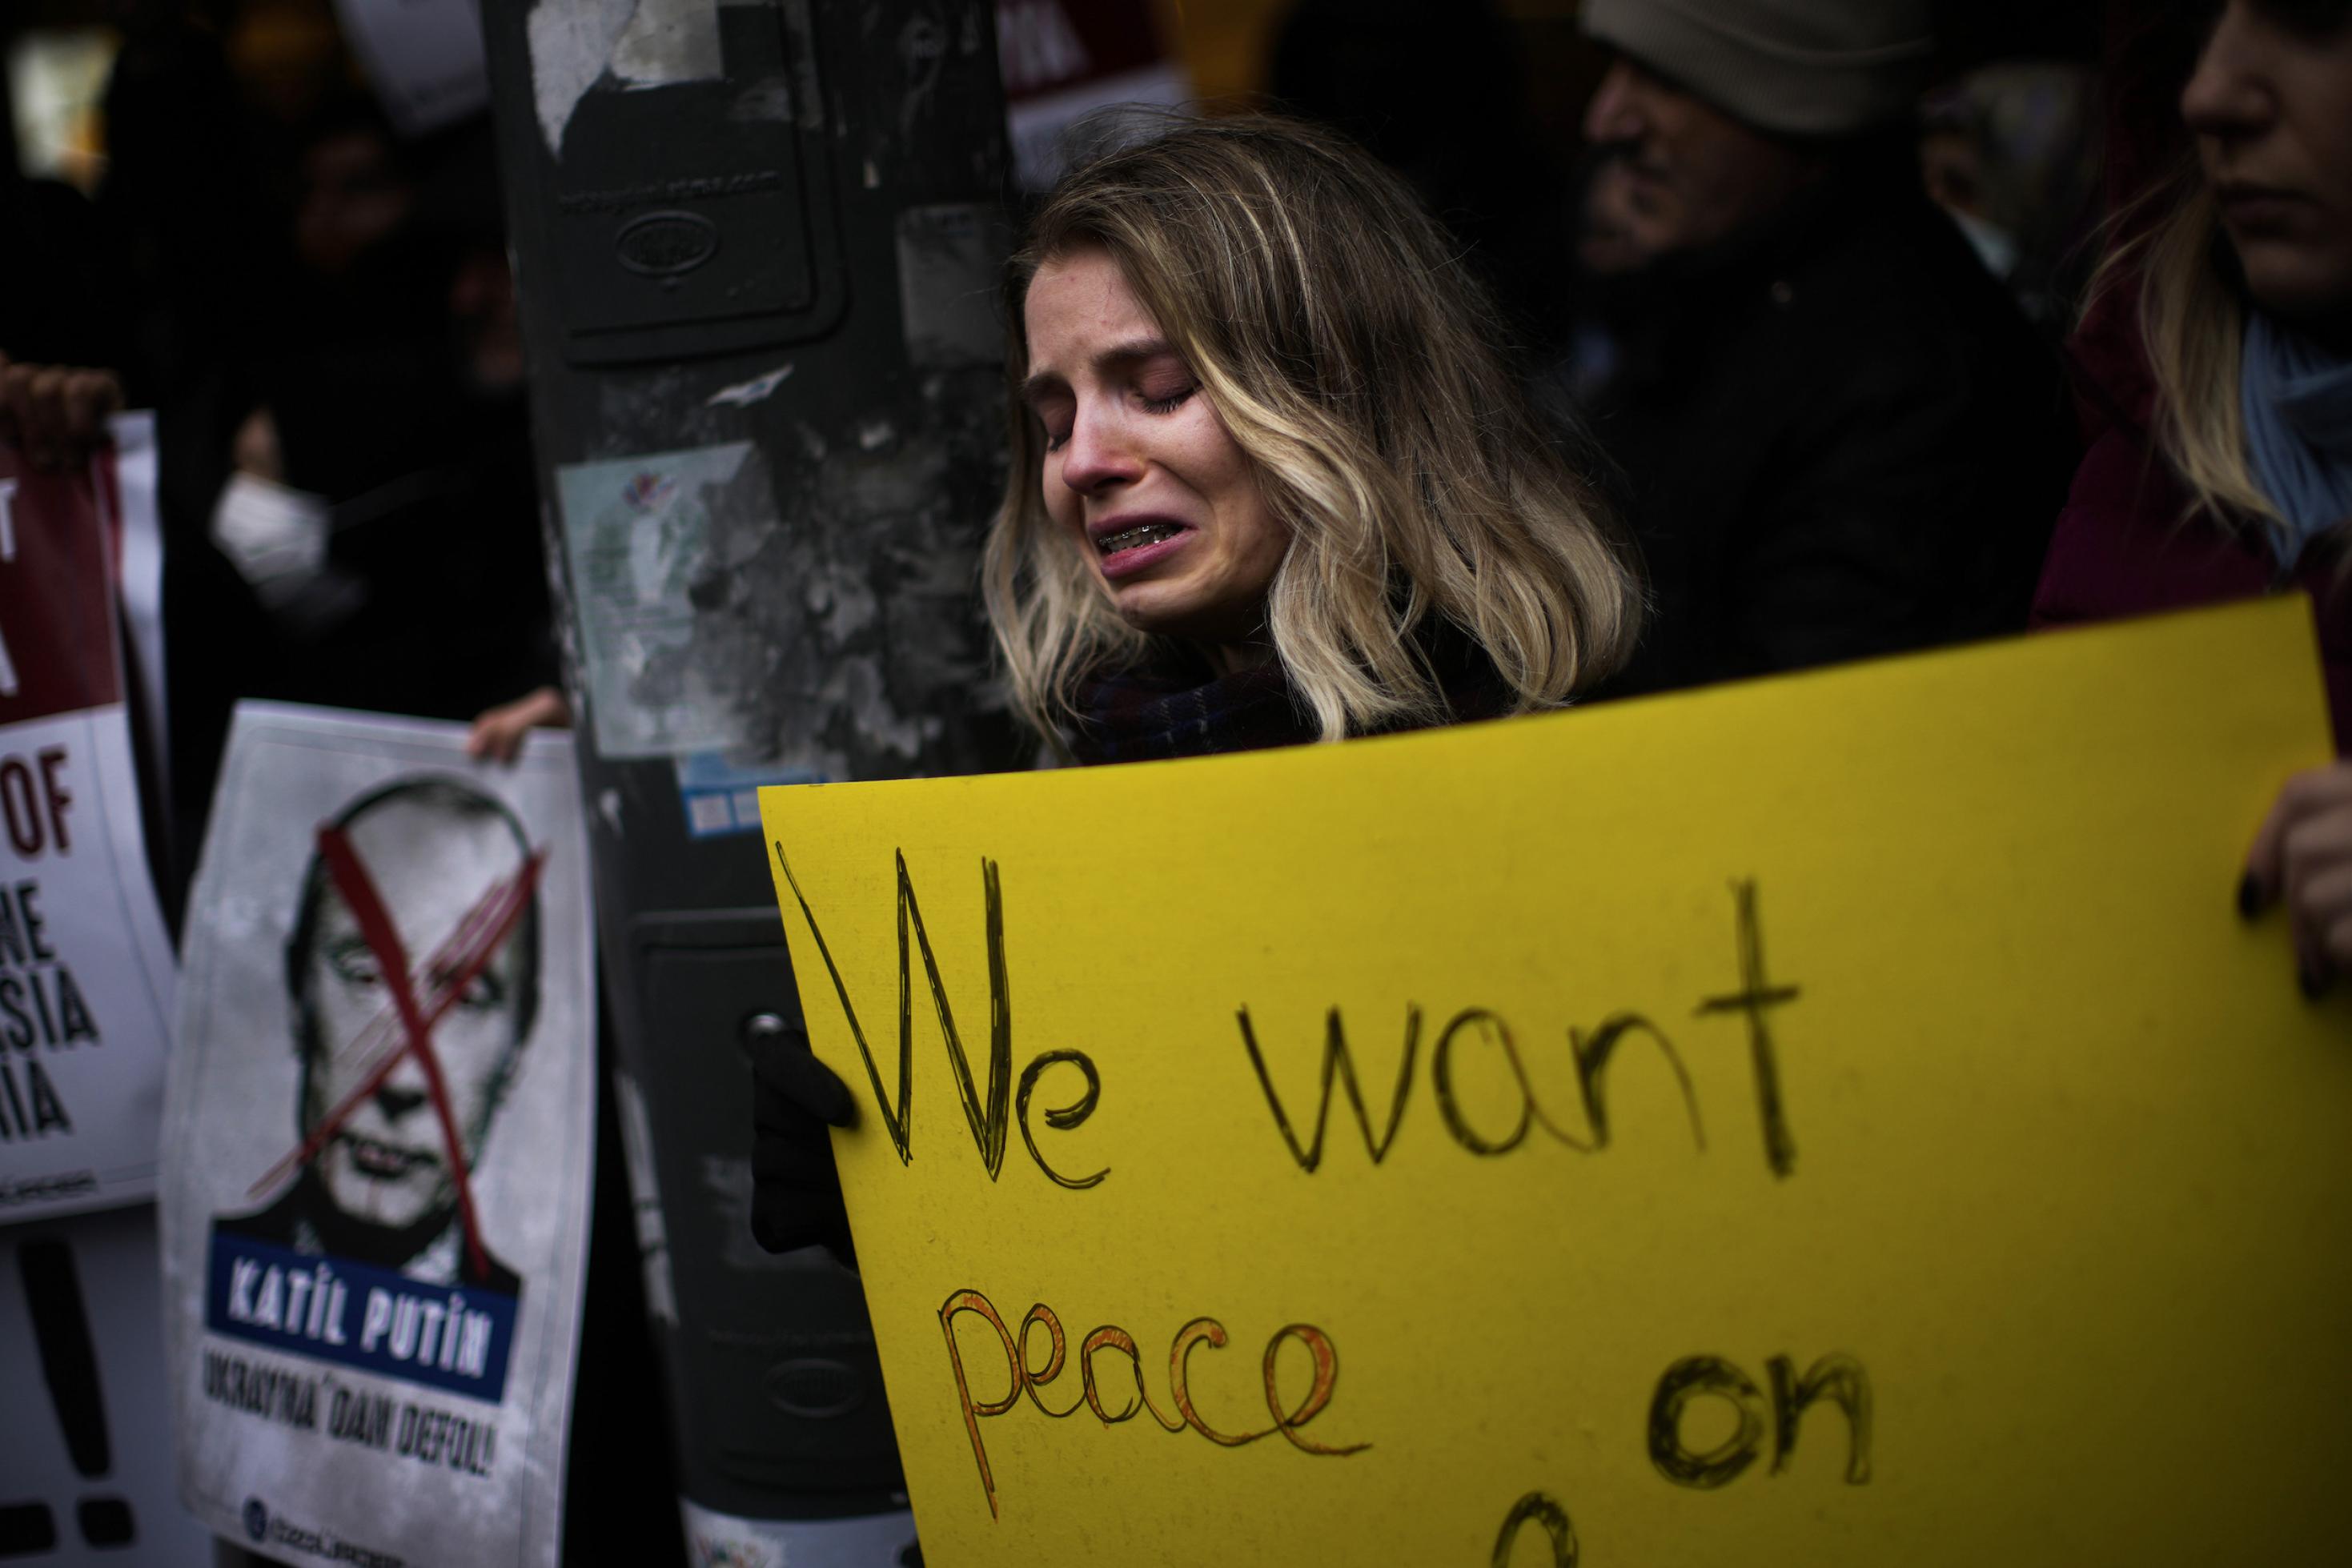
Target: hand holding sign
{"points": [[2301, 859], [56, 414], [796, 1192]]}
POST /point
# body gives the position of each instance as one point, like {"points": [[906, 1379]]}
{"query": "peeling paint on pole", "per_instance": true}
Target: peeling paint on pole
{"points": [[579, 45], [822, 618]]}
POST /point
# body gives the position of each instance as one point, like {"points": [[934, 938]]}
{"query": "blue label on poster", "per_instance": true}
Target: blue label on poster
{"points": [[456, 1337]]}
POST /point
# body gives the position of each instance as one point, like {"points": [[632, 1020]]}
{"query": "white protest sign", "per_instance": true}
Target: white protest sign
{"points": [[85, 966], [380, 1127]]}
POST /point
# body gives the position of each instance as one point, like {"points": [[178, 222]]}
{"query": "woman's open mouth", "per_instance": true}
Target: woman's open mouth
{"points": [[1134, 547], [1136, 537]]}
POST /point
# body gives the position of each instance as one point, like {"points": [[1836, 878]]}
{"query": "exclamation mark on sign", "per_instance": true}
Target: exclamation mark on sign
{"points": [[69, 1366]]}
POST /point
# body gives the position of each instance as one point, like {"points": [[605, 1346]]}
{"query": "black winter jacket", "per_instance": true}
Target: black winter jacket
{"points": [[1838, 438]]}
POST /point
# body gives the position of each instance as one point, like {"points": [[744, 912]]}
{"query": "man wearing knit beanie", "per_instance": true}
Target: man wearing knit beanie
{"points": [[1839, 436], [1798, 68]]}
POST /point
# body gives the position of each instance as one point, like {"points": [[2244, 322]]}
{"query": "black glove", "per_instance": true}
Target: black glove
{"points": [[795, 1191]]}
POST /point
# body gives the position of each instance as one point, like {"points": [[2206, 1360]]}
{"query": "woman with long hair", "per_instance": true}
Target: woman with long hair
{"points": [[1272, 478], [1271, 481], [2238, 477]]}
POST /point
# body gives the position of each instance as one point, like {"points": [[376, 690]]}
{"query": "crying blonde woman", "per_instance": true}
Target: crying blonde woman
{"points": [[1273, 479]]}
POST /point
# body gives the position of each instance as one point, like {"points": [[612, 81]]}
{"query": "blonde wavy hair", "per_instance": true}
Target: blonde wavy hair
{"points": [[1328, 319], [2192, 321]]}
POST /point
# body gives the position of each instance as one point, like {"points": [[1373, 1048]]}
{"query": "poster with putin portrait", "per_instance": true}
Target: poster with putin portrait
{"points": [[378, 1135]]}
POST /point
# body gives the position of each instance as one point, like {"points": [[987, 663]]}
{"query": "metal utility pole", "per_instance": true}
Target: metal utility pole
{"points": [[757, 246]]}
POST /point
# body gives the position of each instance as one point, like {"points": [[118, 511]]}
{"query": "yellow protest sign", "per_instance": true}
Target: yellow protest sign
{"points": [[1837, 1119]]}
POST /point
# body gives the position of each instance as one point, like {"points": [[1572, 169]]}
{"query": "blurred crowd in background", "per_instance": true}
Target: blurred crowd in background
{"points": [[321, 312], [1831, 336], [204, 196]]}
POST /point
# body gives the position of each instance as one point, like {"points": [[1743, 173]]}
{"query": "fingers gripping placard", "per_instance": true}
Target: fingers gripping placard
{"points": [[1778, 1122]]}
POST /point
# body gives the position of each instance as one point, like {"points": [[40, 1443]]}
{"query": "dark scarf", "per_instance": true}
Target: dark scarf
{"points": [[1175, 706]]}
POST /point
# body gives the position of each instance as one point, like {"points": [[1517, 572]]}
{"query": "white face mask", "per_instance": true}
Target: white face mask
{"points": [[277, 539]]}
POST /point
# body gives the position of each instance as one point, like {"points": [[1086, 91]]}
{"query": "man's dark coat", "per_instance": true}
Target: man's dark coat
{"points": [[1838, 438]]}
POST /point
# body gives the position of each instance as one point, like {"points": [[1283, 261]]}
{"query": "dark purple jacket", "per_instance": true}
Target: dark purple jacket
{"points": [[2123, 547]]}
